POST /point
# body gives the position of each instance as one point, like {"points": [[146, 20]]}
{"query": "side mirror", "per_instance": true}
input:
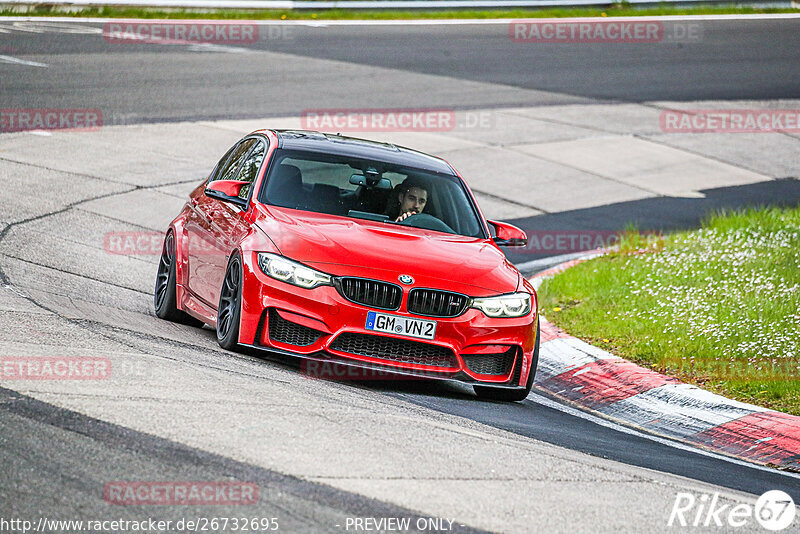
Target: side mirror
{"points": [[227, 191], [508, 235], [371, 183]]}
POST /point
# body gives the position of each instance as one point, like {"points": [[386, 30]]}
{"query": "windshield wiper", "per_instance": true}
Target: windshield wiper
{"points": [[368, 216]]}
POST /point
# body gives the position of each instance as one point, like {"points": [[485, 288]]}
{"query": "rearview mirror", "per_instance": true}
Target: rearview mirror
{"points": [[508, 235], [227, 191], [370, 183]]}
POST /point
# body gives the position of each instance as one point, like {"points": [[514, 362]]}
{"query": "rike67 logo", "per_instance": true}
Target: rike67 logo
{"points": [[774, 511]]}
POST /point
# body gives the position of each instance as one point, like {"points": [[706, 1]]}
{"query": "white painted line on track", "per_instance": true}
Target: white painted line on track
{"points": [[17, 61], [34, 26], [209, 47], [550, 403], [420, 22]]}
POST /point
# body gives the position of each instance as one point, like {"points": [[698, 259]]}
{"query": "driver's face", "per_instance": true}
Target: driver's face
{"points": [[413, 200]]}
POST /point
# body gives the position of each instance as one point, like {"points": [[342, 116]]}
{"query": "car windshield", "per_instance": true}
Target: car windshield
{"points": [[375, 190]]}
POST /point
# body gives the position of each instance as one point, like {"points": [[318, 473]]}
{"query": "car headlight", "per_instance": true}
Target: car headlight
{"points": [[291, 272], [513, 305]]}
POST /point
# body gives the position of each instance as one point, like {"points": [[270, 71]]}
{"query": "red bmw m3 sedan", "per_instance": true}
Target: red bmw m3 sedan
{"points": [[345, 250]]}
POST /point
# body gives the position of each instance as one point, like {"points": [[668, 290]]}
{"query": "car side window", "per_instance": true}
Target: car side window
{"points": [[250, 167], [231, 167], [221, 164]]}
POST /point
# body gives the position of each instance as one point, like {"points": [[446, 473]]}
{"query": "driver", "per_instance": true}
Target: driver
{"points": [[412, 196]]}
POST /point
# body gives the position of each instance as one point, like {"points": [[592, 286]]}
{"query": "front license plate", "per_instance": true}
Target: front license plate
{"points": [[404, 326]]}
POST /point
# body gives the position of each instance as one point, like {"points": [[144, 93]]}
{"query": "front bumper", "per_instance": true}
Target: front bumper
{"points": [[322, 326]]}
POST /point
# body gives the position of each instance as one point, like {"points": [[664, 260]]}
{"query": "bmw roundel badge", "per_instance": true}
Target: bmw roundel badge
{"points": [[405, 279]]}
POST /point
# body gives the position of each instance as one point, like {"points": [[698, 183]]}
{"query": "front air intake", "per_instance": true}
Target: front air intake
{"points": [[491, 364], [285, 331], [396, 350]]}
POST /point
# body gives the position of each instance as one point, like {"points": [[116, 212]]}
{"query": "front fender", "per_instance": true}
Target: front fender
{"points": [[254, 242]]}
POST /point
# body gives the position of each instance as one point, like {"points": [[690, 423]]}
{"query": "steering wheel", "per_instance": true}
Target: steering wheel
{"points": [[426, 222]]}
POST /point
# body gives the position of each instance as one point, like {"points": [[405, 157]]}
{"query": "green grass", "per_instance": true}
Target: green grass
{"points": [[718, 307], [617, 10]]}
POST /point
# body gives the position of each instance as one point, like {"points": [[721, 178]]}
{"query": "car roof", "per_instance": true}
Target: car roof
{"points": [[360, 148]]}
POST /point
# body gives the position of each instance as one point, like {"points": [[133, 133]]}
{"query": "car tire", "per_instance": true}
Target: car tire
{"points": [[512, 395], [230, 305], [164, 296]]}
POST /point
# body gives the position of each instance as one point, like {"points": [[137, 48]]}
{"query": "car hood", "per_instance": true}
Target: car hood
{"points": [[363, 247]]}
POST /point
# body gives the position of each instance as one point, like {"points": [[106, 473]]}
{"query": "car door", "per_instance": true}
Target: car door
{"points": [[226, 220], [203, 234]]}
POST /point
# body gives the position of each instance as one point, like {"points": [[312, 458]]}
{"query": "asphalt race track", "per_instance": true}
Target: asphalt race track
{"points": [[573, 143], [292, 68]]}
